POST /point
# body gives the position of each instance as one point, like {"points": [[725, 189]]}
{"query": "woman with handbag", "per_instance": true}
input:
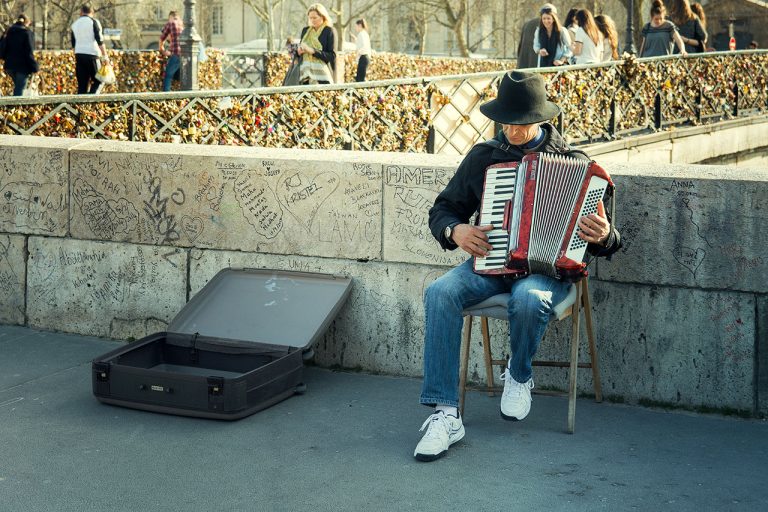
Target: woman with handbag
{"points": [[318, 47], [19, 55]]}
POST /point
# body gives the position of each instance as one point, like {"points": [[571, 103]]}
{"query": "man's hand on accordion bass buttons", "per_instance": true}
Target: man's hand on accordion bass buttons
{"points": [[472, 239], [595, 227]]}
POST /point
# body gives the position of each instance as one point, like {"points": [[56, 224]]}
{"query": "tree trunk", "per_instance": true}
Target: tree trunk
{"points": [[423, 39], [637, 21], [270, 30], [456, 23], [461, 42], [340, 30]]}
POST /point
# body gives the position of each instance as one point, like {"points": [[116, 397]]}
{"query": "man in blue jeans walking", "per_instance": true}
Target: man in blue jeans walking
{"points": [[171, 33], [522, 109]]}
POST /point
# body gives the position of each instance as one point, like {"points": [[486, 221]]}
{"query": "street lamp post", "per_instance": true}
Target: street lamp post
{"points": [[629, 45], [189, 41]]}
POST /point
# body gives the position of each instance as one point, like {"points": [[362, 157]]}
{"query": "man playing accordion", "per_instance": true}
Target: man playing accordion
{"points": [[522, 108]]}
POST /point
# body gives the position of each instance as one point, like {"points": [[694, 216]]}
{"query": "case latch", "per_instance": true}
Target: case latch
{"points": [[101, 378], [102, 372], [215, 393], [215, 385]]}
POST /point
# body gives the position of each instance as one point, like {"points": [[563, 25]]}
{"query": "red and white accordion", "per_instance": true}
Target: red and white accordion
{"points": [[535, 206]]}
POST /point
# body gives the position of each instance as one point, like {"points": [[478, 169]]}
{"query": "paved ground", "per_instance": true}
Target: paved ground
{"points": [[347, 445]]}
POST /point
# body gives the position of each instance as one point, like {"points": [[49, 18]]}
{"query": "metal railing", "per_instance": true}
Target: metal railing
{"points": [[243, 69], [439, 114]]}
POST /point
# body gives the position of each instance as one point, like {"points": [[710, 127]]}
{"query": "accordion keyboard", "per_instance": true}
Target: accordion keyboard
{"points": [[499, 188]]}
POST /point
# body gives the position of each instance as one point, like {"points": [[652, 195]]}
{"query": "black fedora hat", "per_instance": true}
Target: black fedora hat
{"points": [[522, 99]]}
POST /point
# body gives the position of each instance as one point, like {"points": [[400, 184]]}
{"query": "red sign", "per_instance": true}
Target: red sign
{"points": [[732, 44]]}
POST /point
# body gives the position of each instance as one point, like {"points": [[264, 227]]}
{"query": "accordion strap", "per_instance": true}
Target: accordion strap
{"points": [[516, 153]]}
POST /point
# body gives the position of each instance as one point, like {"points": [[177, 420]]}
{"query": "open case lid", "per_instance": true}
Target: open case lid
{"points": [[262, 306]]}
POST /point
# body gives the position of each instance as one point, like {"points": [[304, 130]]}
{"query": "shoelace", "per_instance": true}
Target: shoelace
{"points": [[438, 417], [516, 387]]}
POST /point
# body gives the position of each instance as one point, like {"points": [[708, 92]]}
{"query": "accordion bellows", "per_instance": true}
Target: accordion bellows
{"points": [[534, 206]]}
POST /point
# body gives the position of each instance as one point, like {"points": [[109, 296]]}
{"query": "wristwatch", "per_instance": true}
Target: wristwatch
{"points": [[448, 231]]}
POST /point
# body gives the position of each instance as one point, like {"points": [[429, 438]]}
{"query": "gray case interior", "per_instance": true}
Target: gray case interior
{"points": [[261, 306]]}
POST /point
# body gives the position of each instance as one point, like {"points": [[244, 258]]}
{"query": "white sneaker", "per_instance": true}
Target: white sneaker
{"points": [[442, 432], [516, 399]]}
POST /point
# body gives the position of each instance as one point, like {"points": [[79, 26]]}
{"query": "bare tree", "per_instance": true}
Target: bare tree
{"points": [[451, 14], [265, 10], [10, 9], [418, 21], [64, 12]]}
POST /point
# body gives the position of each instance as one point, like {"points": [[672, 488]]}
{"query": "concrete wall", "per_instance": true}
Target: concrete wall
{"points": [[741, 142], [111, 239]]}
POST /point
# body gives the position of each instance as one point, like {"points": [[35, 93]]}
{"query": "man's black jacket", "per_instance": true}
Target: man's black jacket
{"points": [[461, 197], [19, 48]]}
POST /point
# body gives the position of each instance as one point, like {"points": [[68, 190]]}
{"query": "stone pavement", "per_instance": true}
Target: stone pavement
{"points": [[347, 445]]}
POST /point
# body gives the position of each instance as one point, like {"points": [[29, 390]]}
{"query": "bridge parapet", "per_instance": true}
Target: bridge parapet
{"points": [[111, 239], [438, 115]]}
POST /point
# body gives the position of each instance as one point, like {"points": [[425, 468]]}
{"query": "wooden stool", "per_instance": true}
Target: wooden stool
{"points": [[496, 307]]}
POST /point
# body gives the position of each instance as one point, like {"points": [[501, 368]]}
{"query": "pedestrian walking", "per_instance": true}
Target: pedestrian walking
{"points": [[171, 32], [659, 34], [18, 52], [607, 28], [588, 42], [363, 45], [688, 26], [88, 44], [526, 57]]}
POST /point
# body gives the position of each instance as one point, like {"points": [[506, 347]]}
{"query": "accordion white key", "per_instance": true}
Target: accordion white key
{"points": [[534, 207]]}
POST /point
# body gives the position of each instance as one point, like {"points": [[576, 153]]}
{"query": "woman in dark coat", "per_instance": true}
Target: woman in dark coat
{"points": [[318, 47], [19, 55], [688, 26]]}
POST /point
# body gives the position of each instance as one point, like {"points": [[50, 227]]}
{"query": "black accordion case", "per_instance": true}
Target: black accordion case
{"points": [[237, 347]]}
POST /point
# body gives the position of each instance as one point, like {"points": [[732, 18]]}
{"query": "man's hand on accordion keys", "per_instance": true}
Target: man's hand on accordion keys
{"points": [[472, 239], [595, 227]]}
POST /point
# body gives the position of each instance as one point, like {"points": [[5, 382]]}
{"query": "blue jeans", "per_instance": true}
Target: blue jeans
{"points": [[530, 309], [173, 65], [19, 82]]}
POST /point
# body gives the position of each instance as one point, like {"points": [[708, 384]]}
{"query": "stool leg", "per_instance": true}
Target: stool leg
{"points": [[574, 361], [592, 345], [487, 353], [464, 362]]}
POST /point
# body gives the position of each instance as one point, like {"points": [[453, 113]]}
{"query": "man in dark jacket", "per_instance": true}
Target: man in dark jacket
{"points": [[522, 109], [18, 53], [526, 57]]}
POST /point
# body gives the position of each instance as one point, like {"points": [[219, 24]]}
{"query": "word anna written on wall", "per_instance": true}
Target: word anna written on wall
{"points": [[280, 206]]}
